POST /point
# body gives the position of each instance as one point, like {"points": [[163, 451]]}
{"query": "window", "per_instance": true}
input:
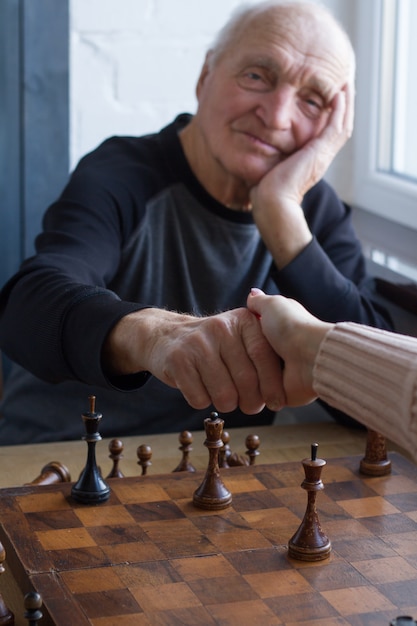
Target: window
{"points": [[386, 120]]}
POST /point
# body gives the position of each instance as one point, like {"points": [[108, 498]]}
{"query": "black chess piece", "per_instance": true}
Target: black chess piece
{"points": [[144, 454], [213, 493], [310, 543], [33, 605], [91, 488], [186, 441], [376, 461], [116, 448]]}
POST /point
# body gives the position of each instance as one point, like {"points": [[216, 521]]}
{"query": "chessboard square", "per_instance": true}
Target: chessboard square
{"points": [[151, 574], [190, 616], [134, 552], [255, 561], [387, 524], [270, 518], [111, 602], [400, 593], [65, 539], [255, 501], [356, 600], [165, 597], [118, 534], [136, 492], [176, 538], [380, 619], [405, 502], [281, 477], [405, 544], [238, 539], [368, 548], [386, 570], [223, 590], [336, 575], [155, 511], [296, 607], [104, 515], [340, 529], [276, 584], [221, 522], [240, 483], [349, 490], [43, 501], [77, 558], [251, 612], [52, 520], [368, 507], [392, 484], [209, 566], [98, 580]]}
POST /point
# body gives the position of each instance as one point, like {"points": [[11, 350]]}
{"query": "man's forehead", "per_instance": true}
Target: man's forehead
{"points": [[289, 36]]}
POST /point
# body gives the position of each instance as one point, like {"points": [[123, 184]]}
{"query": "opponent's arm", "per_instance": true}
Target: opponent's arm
{"points": [[222, 360]]}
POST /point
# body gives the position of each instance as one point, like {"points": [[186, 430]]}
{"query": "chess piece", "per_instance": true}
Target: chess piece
{"points": [[116, 453], [6, 616], [33, 605], [53, 472], [403, 620], [310, 543], [225, 451], [252, 444], [90, 487], [212, 493], [375, 461], [186, 440], [144, 454]]}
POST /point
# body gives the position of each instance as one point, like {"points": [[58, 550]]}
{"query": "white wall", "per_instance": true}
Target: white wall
{"points": [[134, 65]]}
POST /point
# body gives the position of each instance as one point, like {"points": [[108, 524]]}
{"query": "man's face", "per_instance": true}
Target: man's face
{"points": [[267, 96]]}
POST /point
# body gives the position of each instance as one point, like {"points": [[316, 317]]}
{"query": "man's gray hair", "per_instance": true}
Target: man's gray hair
{"points": [[245, 13]]}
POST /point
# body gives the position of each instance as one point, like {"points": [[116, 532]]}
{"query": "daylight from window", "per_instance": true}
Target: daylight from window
{"points": [[397, 152]]}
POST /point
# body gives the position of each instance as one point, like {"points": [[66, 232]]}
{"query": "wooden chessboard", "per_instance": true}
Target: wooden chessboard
{"points": [[148, 556]]}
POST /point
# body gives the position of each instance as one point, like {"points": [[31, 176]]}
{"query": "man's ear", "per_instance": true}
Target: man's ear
{"points": [[205, 70]]}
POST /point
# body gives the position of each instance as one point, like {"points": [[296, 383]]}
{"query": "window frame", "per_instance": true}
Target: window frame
{"points": [[378, 192]]}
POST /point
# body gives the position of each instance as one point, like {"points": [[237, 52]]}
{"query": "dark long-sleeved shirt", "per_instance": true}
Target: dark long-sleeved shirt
{"points": [[134, 228]]}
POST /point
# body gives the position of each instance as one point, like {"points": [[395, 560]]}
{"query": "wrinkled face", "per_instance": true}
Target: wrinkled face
{"points": [[268, 94]]}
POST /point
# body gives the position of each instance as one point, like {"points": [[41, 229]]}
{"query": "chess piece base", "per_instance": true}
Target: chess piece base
{"points": [[375, 468], [309, 554]]}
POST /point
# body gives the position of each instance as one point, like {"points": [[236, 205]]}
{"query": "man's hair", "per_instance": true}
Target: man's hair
{"points": [[243, 15]]}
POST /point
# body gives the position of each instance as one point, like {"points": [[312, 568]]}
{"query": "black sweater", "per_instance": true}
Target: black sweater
{"points": [[134, 228]]}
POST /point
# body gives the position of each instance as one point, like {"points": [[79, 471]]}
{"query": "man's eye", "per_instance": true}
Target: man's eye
{"points": [[253, 80]]}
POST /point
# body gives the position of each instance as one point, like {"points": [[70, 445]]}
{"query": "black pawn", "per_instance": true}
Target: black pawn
{"points": [[91, 488], [144, 454], [33, 605], [116, 448], [186, 441]]}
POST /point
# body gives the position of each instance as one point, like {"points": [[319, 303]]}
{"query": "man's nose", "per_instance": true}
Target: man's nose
{"points": [[277, 108]]}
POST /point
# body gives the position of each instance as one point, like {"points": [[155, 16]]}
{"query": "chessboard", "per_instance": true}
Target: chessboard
{"points": [[149, 556]]}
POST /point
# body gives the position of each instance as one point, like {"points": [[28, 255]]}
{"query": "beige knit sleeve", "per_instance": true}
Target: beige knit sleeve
{"points": [[371, 375]]}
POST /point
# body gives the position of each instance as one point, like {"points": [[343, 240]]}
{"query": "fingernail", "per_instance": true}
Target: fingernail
{"points": [[256, 292]]}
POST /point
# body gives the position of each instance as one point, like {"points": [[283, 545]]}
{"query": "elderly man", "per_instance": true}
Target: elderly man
{"points": [[140, 279]]}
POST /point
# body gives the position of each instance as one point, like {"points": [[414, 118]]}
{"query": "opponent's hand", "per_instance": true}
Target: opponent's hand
{"points": [[222, 360], [296, 336]]}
